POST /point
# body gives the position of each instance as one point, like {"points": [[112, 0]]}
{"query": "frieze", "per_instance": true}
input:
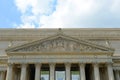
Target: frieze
{"points": [[58, 58]]}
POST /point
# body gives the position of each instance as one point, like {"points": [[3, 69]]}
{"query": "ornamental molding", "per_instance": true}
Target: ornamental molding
{"points": [[3, 59], [59, 43]]}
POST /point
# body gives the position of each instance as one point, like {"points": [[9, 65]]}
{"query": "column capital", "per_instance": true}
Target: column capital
{"points": [[109, 63], [95, 64], [67, 64], [10, 64], [82, 64], [38, 64], [24, 64], [52, 64]]}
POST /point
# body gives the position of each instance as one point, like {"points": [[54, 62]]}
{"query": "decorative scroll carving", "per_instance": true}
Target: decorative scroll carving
{"points": [[58, 44]]}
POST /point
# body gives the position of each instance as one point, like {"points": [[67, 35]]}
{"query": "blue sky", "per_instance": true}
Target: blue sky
{"points": [[8, 14], [59, 13]]}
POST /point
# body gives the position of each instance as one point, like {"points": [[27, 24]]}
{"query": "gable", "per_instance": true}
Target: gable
{"points": [[59, 43]]}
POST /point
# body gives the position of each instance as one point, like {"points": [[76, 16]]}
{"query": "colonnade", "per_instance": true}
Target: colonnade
{"points": [[67, 69]]}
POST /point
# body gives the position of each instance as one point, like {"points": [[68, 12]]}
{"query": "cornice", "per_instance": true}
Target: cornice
{"points": [[60, 53], [86, 33], [3, 59], [116, 59]]}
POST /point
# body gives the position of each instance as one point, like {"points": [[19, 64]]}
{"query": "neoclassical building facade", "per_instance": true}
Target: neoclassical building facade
{"points": [[60, 54]]}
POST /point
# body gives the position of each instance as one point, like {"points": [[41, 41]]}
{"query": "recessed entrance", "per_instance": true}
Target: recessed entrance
{"points": [[31, 71], [89, 72]]}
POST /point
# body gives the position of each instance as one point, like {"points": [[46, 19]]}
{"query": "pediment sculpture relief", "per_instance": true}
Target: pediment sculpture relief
{"points": [[58, 44]]}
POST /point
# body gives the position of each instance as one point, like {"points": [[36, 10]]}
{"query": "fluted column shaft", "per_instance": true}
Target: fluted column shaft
{"points": [[2, 75], [23, 72], [82, 71], [9, 72], [52, 71], [37, 71], [117, 75], [110, 71], [96, 71], [67, 67]]}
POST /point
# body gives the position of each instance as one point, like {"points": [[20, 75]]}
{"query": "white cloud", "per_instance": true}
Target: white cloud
{"points": [[67, 13]]}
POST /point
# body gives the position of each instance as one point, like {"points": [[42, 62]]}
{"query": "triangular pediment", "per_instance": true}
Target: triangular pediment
{"points": [[59, 43]]}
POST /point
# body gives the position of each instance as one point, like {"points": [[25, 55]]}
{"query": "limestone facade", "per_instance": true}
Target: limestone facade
{"points": [[94, 53]]}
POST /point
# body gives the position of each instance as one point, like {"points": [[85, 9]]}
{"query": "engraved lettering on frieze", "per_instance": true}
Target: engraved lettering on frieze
{"points": [[58, 44]]}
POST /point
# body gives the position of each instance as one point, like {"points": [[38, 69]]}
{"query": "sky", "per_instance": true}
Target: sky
{"points": [[59, 13]]}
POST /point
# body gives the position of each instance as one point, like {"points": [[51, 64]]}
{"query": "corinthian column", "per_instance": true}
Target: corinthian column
{"points": [[23, 72], [67, 67], [110, 71], [37, 71], [9, 72], [96, 71], [82, 71], [52, 71]]}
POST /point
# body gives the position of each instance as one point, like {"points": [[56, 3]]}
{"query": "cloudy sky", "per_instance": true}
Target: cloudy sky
{"points": [[59, 13]]}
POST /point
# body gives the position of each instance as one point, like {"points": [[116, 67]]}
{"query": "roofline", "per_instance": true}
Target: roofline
{"points": [[56, 28]]}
